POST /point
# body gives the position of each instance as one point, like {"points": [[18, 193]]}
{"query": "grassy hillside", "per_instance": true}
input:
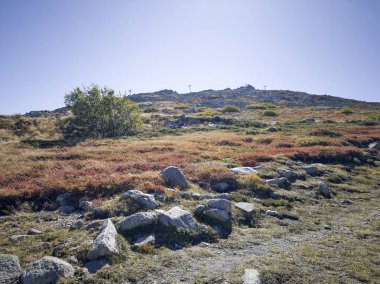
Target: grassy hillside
{"points": [[314, 239]]}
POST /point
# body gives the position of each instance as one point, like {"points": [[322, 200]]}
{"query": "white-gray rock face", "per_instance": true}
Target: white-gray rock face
{"points": [[218, 214], [311, 170], [244, 170], [105, 244], [47, 270], [221, 204], [375, 145], [245, 207], [324, 189], [137, 220], [251, 276], [10, 269], [178, 218], [277, 181], [144, 199], [287, 173], [145, 240], [174, 176]]}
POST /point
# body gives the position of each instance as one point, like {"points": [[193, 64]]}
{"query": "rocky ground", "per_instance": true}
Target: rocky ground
{"points": [[327, 236]]}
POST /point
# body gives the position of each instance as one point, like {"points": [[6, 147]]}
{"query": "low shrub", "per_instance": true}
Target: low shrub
{"points": [[271, 113], [261, 106], [345, 110], [231, 108]]}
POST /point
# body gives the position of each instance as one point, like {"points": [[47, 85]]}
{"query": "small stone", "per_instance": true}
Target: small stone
{"points": [[257, 200], [287, 173], [175, 177], [245, 207], [200, 208], [324, 189], [15, 238], [272, 213], [10, 269], [311, 170], [226, 196], [34, 232], [144, 199], [178, 218], [196, 195], [220, 187], [244, 170], [77, 225], [278, 181], [327, 227], [251, 276], [137, 220], [221, 204], [375, 145]]}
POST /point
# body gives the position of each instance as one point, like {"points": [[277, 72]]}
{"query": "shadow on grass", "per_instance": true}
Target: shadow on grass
{"points": [[44, 144]]}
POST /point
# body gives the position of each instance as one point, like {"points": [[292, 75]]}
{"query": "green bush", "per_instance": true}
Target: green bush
{"points": [[270, 113], [98, 112], [183, 106], [261, 106], [231, 108], [345, 110]]}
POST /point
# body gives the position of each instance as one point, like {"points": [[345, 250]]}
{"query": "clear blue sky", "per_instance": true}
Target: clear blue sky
{"points": [[48, 47]]}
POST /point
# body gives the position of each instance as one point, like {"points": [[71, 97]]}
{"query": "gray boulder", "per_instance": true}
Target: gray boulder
{"points": [[277, 181], [174, 176], [251, 276], [246, 207], [324, 189], [287, 173], [47, 270], [218, 214], [178, 218], [105, 243], [220, 186], [244, 170], [311, 170], [137, 220], [10, 269], [144, 199], [375, 145], [221, 204]]}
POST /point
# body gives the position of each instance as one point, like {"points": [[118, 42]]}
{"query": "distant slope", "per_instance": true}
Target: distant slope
{"points": [[245, 95], [241, 97]]}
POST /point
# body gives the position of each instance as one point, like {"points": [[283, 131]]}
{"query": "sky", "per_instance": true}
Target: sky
{"points": [[49, 47]]}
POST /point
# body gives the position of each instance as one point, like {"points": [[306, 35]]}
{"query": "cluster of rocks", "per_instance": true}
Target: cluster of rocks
{"points": [[45, 270], [67, 204]]}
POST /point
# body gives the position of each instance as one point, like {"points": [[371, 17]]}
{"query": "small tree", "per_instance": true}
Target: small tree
{"points": [[99, 113]]}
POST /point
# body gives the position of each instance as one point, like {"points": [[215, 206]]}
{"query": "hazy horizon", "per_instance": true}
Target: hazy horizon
{"points": [[47, 48]]}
